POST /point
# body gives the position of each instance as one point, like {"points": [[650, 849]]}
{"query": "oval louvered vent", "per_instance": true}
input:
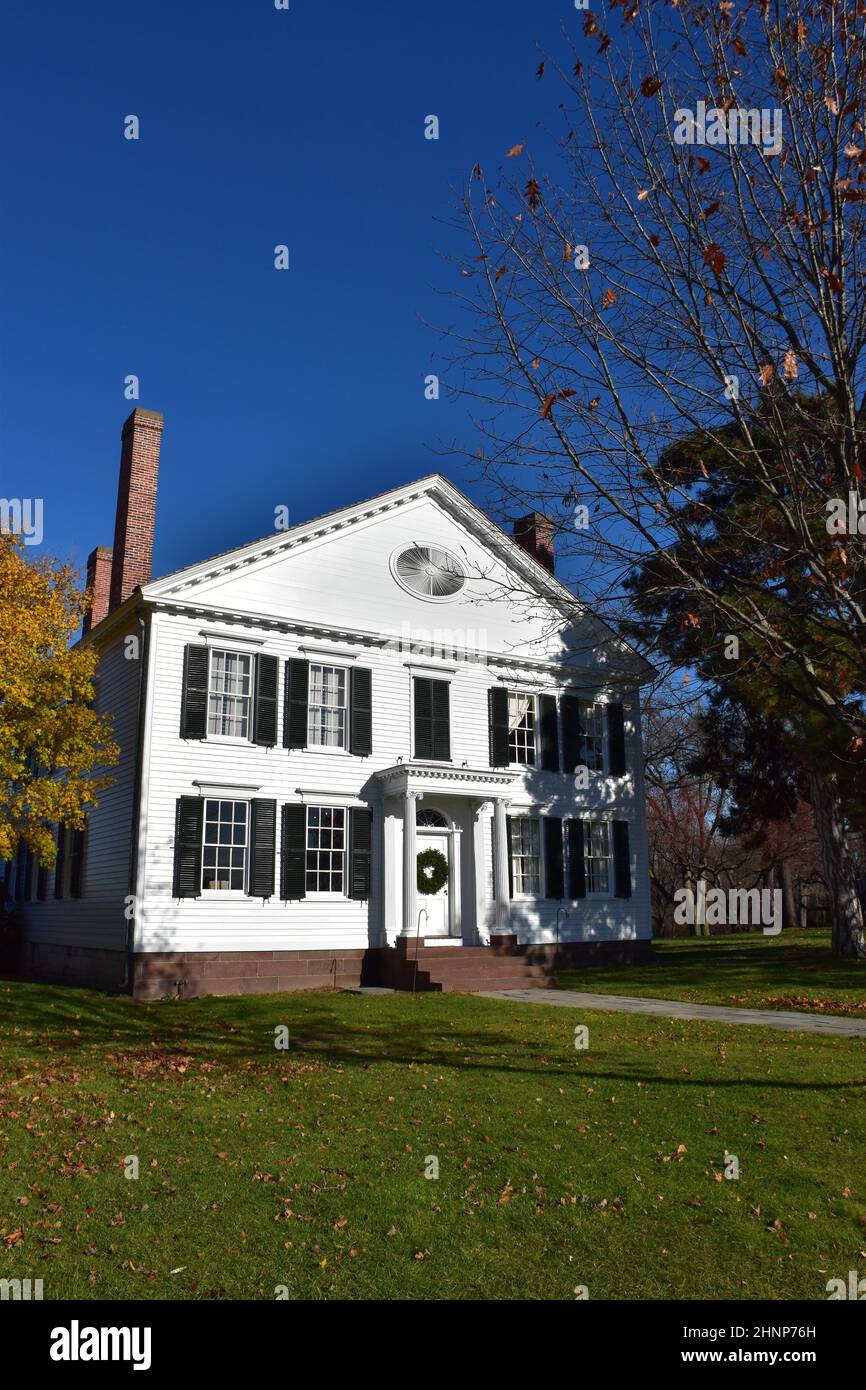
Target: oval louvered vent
{"points": [[429, 571]]}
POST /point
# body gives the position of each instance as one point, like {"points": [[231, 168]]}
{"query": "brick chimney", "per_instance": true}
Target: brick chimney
{"points": [[136, 504], [99, 586], [534, 533]]}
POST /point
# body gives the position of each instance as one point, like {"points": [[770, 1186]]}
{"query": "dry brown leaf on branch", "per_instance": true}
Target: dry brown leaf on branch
{"points": [[650, 86], [608, 299], [766, 373], [790, 369], [703, 164], [715, 257], [515, 150], [532, 192]]}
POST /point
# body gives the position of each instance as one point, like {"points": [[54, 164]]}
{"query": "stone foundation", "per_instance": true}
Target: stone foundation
{"points": [[88, 966], [189, 973]]}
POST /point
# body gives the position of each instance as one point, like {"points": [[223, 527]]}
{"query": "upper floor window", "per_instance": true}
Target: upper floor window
{"points": [[593, 737], [224, 846], [521, 729], [230, 694], [525, 854], [596, 852], [326, 711], [326, 849]]}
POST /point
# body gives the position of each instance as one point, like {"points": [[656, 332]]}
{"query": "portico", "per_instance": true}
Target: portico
{"points": [[455, 807]]}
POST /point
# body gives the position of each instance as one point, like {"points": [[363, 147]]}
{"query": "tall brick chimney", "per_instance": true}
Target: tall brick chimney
{"points": [[534, 533], [99, 585], [136, 504]]}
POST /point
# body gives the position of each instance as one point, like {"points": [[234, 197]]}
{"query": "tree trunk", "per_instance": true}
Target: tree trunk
{"points": [[790, 914], [846, 912]]}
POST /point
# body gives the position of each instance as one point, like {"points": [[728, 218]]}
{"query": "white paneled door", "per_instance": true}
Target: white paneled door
{"points": [[437, 922]]}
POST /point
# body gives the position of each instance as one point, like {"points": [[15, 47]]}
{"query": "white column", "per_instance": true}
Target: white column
{"points": [[390, 875], [482, 933], [454, 899], [410, 866], [501, 853]]}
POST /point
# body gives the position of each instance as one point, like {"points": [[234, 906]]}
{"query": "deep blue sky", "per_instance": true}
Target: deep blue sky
{"points": [[156, 258]]}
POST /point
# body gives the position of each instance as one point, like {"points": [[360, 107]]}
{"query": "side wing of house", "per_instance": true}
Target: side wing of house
{"points": [[74, 916]]}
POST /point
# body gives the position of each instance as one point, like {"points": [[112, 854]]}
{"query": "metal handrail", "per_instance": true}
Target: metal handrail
{"points": [[417, 934]]}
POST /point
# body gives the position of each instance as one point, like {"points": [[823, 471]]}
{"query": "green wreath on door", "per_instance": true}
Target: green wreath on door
{"points": [[432, 871]]}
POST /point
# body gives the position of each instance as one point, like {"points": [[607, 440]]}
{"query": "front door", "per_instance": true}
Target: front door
{"points": [[437, 921]]}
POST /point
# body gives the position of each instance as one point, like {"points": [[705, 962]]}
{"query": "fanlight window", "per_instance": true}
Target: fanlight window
{"points": [[431, 818], [430, 572]]}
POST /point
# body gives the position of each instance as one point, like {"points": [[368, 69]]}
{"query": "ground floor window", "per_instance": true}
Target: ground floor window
{"points": [[525, 855], [326, 849], [596, 851], [224, 847]]}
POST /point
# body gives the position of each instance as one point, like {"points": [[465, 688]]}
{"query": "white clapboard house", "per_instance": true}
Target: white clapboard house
{"points": [[303, 717]]}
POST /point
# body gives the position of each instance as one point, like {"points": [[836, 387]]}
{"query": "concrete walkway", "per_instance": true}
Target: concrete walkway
{"points": [[676, 1008]]}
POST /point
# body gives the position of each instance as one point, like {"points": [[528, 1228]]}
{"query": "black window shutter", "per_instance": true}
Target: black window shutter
{"points": [[42, 883], [28, 875], [189, 813], [549, 733], [263, 831], [76, 864], [295, 705], [441, 720], [361, 848], [508, 820], [555, 882], [616, 740], [572, 733], [60, 861], [265, 719], [361, 712], [497, 713], [293, 851], [576, 861], [193, 712], [423, 717], [621, 859]]}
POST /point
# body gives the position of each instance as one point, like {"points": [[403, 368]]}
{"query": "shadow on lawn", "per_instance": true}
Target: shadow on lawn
{"points": [[796, 963], [81, 1028]]}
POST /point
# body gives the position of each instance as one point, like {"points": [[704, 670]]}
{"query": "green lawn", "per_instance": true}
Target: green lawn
{"points": [[794, 970], [305, 1168]]}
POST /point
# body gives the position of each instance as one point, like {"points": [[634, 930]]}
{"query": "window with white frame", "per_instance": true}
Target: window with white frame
{"points": [[521, 729], [326, 711], [326, 849], [230, 694], [224, 846], [525, 855], [596, 853], [593, 737]]}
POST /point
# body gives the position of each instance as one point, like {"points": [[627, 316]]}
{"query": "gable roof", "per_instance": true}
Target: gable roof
{"points": [[180, 585]]}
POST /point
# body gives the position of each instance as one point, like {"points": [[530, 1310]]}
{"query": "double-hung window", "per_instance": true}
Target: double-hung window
{"points": [[525, 855], [224, 846], [596, 853], [593, 737], [521, 729], [326, 711], [326, 849], [230, 683]]}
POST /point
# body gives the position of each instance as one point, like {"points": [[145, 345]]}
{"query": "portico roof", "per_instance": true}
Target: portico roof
{"points": [[447, 780]]}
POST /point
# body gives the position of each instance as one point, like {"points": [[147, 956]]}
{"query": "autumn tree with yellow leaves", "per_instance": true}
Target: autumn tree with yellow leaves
{"points": [[55, 750]]}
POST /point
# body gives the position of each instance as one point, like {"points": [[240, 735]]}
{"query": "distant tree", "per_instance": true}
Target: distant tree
{"points": [[668, 356], [54, 749]]}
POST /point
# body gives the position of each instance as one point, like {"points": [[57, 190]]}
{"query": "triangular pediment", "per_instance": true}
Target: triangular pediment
{"points": [[339, 573]]}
